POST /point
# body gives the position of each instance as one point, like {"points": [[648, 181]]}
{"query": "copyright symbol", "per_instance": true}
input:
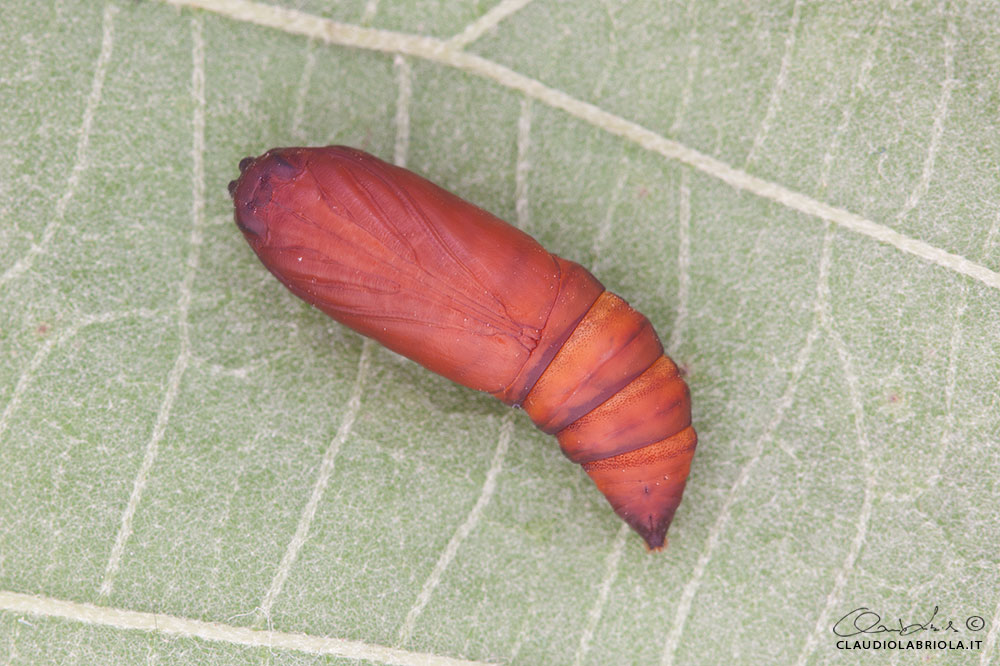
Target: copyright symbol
{"points": [[975, 623]]}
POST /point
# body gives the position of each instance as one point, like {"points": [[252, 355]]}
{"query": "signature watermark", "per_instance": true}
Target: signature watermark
{"points": [[865, 629]]}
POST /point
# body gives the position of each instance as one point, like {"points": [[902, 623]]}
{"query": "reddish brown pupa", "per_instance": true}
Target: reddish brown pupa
{"points": [[467, 295]]}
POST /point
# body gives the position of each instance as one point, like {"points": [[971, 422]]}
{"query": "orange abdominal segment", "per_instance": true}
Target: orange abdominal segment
{"points": [[645, 486], [610, 347], [620, 408], [653, 405]]}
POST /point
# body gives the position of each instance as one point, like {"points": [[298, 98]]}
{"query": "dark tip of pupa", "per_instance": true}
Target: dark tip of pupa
{"points": [[655, 535], [232, 187], [244, 163]]}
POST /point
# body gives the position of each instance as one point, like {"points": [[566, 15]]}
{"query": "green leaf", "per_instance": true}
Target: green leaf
{"points": [[804, 199]]}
